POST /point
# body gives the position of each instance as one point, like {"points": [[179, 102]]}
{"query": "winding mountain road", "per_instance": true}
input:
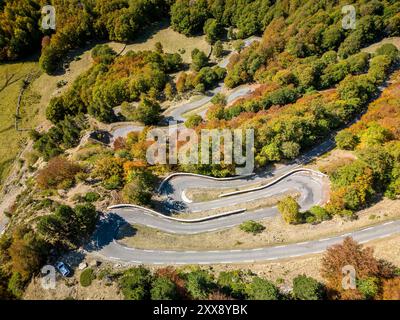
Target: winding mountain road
{"points": [[111, 249], [278, 181]]}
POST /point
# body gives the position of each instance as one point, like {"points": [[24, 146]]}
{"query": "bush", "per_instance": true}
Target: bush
{"points": [[86, 277], [318, 214], [193, 121], [199, 284], [346, 140], [16, 285], [289, 208], [389, 50], [135, 283], [218, 49], [261, 289], [102, 53], [369, 287], [58, 172], [91, 197], [252, 227], [307, 288], [163, 289], [148, 111], [212, 30], [199, 59], [232, 283], [139, 188], [113, 183], [68, 227]]}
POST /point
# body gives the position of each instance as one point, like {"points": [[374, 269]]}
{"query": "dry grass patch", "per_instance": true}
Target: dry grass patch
{"points": [[11, 79], [172, 41]]}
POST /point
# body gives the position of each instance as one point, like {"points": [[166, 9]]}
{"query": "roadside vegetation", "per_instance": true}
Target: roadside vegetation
{"points": [[375, 280], [375, 142]]}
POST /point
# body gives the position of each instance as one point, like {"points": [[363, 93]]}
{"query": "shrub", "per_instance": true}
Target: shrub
{"points": [[218, 49], [163, 289], [113, 183], [59, 170], [319, 214], [16, 285], [289, 208], [307, 288], [346, 140], [68, 227], [148, 111], [369, 287], [193, 121], [199, 284], [391, 289], [261, 289], [135, 283], [232, 283], [139, 188], [91, 197], [252, 227], [199, 59], [86, 277], [102, 53]]}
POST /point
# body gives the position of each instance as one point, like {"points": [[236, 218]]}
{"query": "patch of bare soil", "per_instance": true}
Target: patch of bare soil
{"points": [[103, 287], [393, 40]]}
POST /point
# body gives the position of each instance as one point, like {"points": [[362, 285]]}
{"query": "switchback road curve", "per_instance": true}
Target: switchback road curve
{"points": [[307, 183]]}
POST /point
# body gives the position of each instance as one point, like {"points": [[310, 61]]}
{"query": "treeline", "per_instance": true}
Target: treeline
{"points": [[375, 141], [76, 23], [312, 26]]}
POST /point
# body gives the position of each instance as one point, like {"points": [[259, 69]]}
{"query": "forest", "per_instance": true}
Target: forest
{"points": [[122, 20]]}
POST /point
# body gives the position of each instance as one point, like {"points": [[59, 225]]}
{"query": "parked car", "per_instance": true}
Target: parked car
{"points": [[63, 269]]}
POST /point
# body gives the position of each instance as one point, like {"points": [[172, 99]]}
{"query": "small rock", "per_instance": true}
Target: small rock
{"points": [[82, 266]]}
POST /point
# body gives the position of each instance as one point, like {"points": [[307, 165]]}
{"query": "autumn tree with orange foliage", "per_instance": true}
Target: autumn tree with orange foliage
{"points": [[119, 144], [353, 254], [26, 252], [58, 173], [391, 289]]}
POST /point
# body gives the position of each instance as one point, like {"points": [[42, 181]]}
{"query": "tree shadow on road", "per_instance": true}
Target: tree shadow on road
{"points": [[107, 230]]}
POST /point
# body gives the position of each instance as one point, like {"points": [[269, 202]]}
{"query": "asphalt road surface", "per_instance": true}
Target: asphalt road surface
{"points": [[108, 247]]}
